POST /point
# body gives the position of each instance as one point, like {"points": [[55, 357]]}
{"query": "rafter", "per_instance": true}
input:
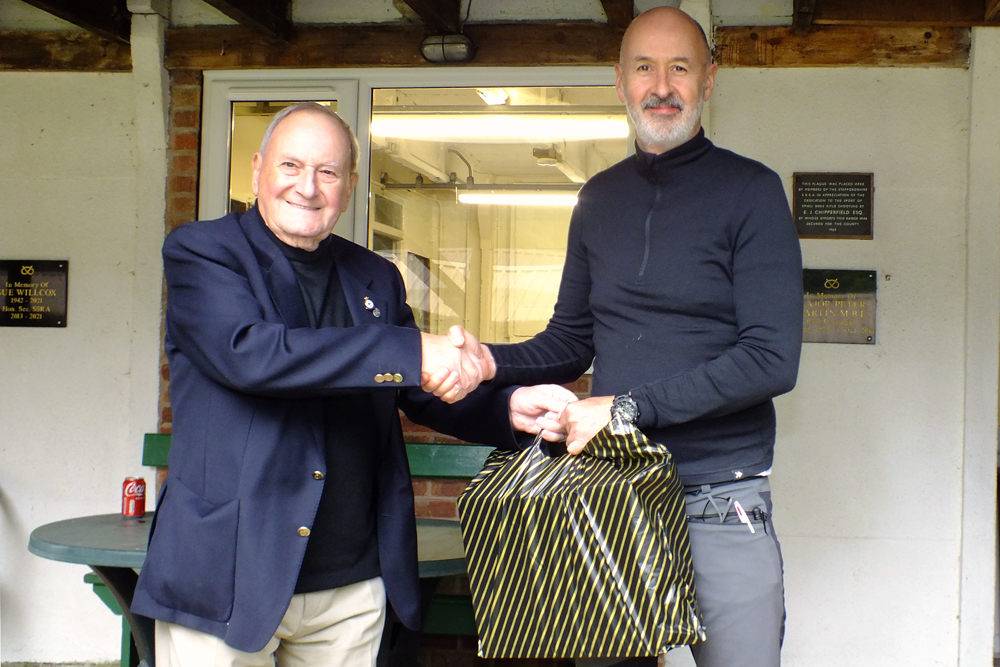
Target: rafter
{"points": [[440, 16], [897, 12], [992, 10], [619, 12], [802, 16], [270, 18], [109, 19]]}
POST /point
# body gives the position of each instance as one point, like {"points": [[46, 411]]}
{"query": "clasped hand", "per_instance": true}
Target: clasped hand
{"points": [[453, 365]]}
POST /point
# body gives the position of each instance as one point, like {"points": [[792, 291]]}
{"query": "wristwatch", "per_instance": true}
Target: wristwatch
{"points": [[624, 408]]}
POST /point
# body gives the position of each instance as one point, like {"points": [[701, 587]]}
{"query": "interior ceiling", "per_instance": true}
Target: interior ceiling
{"points": [[110, 19], [498, 160]]}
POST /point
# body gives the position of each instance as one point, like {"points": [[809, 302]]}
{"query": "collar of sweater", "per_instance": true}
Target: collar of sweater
{"points": [[655, 167]]}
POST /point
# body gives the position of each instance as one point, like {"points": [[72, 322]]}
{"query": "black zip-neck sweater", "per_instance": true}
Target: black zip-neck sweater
{"points": [[683, 285]]}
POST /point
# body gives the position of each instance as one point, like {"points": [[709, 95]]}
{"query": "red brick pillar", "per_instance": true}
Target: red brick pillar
{"points": [[182, 182]]}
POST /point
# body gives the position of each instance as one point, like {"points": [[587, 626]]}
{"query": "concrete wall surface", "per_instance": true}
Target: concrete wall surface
{"points": [[68, 181], [868, 472]]}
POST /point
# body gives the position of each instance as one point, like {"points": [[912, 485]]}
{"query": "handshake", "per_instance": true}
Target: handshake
{"points": [[453, 365]]}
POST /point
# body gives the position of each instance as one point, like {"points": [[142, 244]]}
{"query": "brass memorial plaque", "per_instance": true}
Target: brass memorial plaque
{"points": [[833, 206], [33, 292], [839, 306]]}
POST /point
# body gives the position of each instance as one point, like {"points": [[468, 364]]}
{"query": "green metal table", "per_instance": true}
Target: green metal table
{"points": [[114, 547]]}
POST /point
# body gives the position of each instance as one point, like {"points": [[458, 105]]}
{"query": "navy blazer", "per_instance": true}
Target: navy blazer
{"points": [[249, 383]]}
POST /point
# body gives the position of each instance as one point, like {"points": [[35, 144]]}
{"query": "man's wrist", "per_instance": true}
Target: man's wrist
{"points": [[625, 408], [489, 364]]}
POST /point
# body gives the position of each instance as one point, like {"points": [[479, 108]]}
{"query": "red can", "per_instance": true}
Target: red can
{"points": [[134, 497]]}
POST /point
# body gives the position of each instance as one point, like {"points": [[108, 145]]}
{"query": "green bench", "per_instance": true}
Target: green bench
{"points": [[447, 615]]}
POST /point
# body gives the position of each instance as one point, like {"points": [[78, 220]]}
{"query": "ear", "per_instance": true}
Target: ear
{"points": [[619, 82], [258, 160], [709, 81], [354, 184]]}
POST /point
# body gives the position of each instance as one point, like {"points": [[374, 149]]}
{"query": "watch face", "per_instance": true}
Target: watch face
{"points": [[625, 408]]}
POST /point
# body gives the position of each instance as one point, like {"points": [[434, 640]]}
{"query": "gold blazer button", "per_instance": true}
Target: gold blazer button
{"points": [[397, 378], [304, 532], [379, 378], [317, 474]]}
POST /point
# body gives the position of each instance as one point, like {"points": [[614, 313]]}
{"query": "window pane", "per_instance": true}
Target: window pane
{"points": [[477, 187]]}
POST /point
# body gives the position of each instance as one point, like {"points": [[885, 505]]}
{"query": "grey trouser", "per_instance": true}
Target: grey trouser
{"points": [[738, 578], [737, 574]]}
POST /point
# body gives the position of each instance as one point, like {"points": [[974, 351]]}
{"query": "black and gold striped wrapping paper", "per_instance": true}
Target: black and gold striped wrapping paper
{"points": [[580, 556]]}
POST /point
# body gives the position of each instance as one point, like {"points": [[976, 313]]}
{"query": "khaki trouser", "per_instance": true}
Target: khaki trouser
{"points": [[342, 626]]}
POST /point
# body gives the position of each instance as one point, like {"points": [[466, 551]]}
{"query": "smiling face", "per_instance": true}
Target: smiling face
{"points": [[664, 77], [303, 180]]}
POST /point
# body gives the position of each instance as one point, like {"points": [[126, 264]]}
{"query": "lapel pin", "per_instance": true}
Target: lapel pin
{"points": [[377, 313], [368, 304]]}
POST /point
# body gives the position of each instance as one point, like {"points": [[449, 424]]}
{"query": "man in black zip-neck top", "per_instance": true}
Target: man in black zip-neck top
{"points": [[683, 287]]}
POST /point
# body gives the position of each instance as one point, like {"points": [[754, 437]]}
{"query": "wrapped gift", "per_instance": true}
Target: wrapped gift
{"points": [[580, 556]]}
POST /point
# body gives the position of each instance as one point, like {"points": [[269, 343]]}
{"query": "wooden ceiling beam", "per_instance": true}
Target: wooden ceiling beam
{"points": [[843, 46], [620, 13], [440, 16], [897, 12], [393, 45], [109, 19], [271, 18], [62, 51]]}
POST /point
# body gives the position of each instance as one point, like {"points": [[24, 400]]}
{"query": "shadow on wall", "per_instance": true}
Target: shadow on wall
{"points": [[10, 525]]}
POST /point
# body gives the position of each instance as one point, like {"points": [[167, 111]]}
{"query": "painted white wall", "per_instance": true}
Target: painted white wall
{"points": [[868, 471], [82, 178], [978, 603]]}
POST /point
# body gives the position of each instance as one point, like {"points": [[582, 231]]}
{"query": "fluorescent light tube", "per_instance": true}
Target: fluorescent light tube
{"points": [[500, 127], [518, 198]]}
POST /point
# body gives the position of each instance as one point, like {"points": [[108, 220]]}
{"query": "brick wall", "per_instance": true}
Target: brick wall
{"points": [[435, 498]]}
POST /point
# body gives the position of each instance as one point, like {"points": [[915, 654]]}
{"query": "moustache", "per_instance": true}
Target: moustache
{"points": [[655, 102]]}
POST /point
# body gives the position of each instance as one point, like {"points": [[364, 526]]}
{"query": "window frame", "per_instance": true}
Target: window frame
{"points": [[352, 88]]}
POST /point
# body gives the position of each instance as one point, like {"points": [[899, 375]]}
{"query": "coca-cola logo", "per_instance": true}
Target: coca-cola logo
{"points": [[135, 488]]}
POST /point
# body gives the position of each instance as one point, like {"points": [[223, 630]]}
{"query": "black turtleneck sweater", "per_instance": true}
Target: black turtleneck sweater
{"points": [[683, 285], [343, 546]]}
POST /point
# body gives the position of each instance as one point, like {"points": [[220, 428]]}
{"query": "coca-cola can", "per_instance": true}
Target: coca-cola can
{"points": [[134, 497]]}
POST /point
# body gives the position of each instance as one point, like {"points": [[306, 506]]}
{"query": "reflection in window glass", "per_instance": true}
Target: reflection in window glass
{"points": [[472, 191], [250, 121]]}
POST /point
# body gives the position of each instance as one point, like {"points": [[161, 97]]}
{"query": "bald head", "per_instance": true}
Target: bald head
{"points": [[664, 76], [660, 20]]}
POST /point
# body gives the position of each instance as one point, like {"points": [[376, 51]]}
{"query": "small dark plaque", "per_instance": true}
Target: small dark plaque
{"points": [[833, 206], [33, 292], [839, 306]]}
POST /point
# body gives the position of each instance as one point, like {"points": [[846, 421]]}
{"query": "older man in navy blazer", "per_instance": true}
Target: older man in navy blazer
{"points": [[286, 520]]}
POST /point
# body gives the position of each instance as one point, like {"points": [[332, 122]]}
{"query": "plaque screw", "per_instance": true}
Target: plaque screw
{"points": [[888, 277]]}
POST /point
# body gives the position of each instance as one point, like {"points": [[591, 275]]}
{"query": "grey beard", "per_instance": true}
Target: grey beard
{"points": [[662, 137]]}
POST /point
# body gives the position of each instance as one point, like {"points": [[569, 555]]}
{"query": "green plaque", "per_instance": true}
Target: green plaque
{"points": [[839, 306]]}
